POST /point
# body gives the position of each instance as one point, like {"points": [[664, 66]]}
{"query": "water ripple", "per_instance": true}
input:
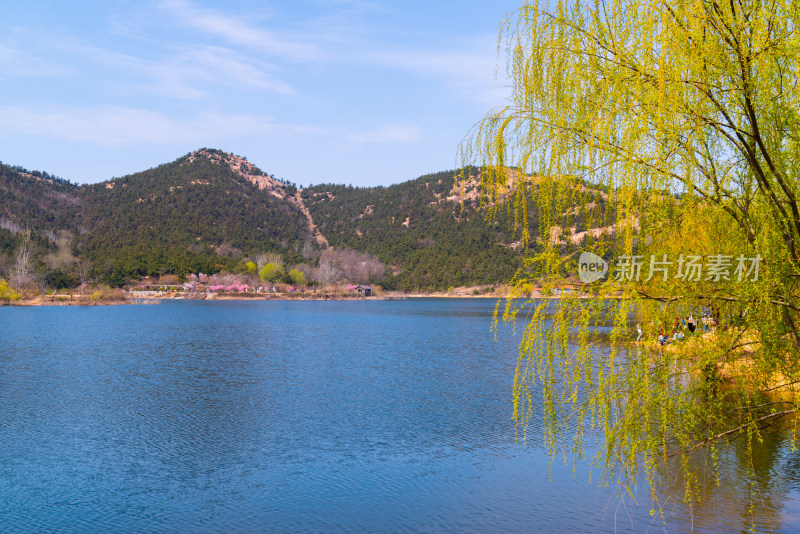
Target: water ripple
{"points": [[277, 417]]}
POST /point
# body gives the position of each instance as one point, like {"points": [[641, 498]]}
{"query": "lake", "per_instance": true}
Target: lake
{"points": [[306, 416]]}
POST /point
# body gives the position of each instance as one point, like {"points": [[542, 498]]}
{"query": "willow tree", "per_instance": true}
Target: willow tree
{"points": [[683, 117]]}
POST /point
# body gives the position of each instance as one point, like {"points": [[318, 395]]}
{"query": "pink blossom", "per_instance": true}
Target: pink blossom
{"points": [[238, 288]]}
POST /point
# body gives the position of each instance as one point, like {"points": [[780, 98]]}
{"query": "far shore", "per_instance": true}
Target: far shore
{"points": [[138, 297], [107, 296]]}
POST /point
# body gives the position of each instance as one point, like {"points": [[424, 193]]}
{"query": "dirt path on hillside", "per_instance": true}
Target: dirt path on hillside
{"points": [[298, 201]]}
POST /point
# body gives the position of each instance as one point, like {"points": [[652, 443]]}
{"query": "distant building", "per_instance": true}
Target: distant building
{"points": [[364, 290], [565, 289]]}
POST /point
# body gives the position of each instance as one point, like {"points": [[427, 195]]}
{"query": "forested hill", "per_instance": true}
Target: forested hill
{"points": [[210, 211], [439, 230], [432, 236], [203, 208], [36, 200]]}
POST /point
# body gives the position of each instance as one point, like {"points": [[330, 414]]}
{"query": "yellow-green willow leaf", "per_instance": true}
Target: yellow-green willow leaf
{"points": [[684, 117]]}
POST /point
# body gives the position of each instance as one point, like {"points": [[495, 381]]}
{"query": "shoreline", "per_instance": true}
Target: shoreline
{"points": [[144, 297]]}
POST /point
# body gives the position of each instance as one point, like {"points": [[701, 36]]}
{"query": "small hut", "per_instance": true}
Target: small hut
{"points": [[364, 290]]}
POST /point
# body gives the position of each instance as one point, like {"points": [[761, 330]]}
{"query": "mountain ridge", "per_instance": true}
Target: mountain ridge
{"points": [[210, 210]]}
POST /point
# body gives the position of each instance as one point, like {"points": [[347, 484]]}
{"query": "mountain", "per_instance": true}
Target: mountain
{"points": [[211, 210], [432, 236], [203, 208], [36, 200]]}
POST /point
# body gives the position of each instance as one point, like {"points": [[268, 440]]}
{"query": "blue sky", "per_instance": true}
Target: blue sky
{"points": [[313, 91]]}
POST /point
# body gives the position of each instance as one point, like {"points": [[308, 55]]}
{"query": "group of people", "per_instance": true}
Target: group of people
{"points": [[706, 322]]}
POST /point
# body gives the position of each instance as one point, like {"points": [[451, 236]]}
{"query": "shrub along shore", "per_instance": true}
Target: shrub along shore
{"points": [[104, 295]]}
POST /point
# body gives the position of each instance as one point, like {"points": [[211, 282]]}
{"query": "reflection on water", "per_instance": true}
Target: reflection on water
{"points": [[302, 416], [726, 503]]}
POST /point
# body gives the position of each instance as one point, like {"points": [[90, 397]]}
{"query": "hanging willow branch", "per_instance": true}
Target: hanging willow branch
{"points": [[674, 129]]}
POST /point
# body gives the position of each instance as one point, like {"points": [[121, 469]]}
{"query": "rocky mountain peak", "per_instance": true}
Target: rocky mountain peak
{"points": [[243, 168]]}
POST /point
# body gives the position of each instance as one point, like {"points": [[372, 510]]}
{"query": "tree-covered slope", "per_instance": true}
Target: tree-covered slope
{"points": [[209, 210], [440, 230], [37, 201], [207, 203], [432, 242], [36, 204]]}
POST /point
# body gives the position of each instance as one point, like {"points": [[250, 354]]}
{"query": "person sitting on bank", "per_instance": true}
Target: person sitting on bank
{"points": [[691, 324]]}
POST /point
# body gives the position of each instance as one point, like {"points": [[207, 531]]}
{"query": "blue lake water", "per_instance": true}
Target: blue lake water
{"points": [[363, 416]]}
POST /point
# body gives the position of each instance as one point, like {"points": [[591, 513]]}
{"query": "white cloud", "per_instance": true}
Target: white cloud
{"points": [[118, 127], [17, 62], [239, 30], [223, 66], [183, 71], [389, 133], [468, 70]]}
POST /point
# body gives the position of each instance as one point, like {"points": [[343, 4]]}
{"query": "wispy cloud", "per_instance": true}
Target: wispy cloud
{"points": [[339, 78], [184, 71], [15, 61], [119, 126], [222, 66], [240, 31], [466, 68], [389, 133], [111, 126]]}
